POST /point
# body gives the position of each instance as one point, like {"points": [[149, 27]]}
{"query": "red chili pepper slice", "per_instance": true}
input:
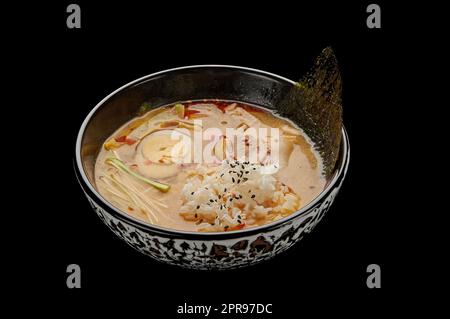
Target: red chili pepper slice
{"points": [[189, 112], [121, 139], [125, 139], [222, 106], [130, 141], [237, 227]]}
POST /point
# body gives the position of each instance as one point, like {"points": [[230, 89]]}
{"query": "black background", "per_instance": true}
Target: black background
{"points": [[120, 42]]}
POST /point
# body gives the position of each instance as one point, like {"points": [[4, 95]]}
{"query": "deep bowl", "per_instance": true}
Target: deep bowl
{"points": [[195, 249]]}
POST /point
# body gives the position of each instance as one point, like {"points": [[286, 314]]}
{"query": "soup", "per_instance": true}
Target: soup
{"points": [[209, 166]]}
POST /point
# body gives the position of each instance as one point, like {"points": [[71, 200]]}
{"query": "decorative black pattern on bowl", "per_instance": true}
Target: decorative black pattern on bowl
{"points": [[207, 250]]}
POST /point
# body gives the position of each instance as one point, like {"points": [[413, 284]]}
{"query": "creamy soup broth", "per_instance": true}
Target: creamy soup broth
{"points": [[146, 171]]}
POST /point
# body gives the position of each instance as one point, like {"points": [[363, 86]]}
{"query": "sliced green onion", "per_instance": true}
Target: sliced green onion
{"points": [[120, 165], [179, 110], [144, 108]]}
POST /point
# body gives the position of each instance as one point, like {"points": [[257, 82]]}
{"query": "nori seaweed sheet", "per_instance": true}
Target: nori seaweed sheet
{"points": [[315, 104]]}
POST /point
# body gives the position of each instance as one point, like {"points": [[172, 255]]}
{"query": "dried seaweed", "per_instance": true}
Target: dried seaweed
{"points": [[315, 104]]}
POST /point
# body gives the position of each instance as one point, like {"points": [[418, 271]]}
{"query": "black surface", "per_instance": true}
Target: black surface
{"points": [[121, 42]]}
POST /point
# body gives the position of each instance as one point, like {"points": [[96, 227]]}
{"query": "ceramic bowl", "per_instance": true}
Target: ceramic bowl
{"points": [[194, 249]]}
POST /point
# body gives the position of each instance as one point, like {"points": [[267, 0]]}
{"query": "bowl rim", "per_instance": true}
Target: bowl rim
{"points": [[84, 181]]}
